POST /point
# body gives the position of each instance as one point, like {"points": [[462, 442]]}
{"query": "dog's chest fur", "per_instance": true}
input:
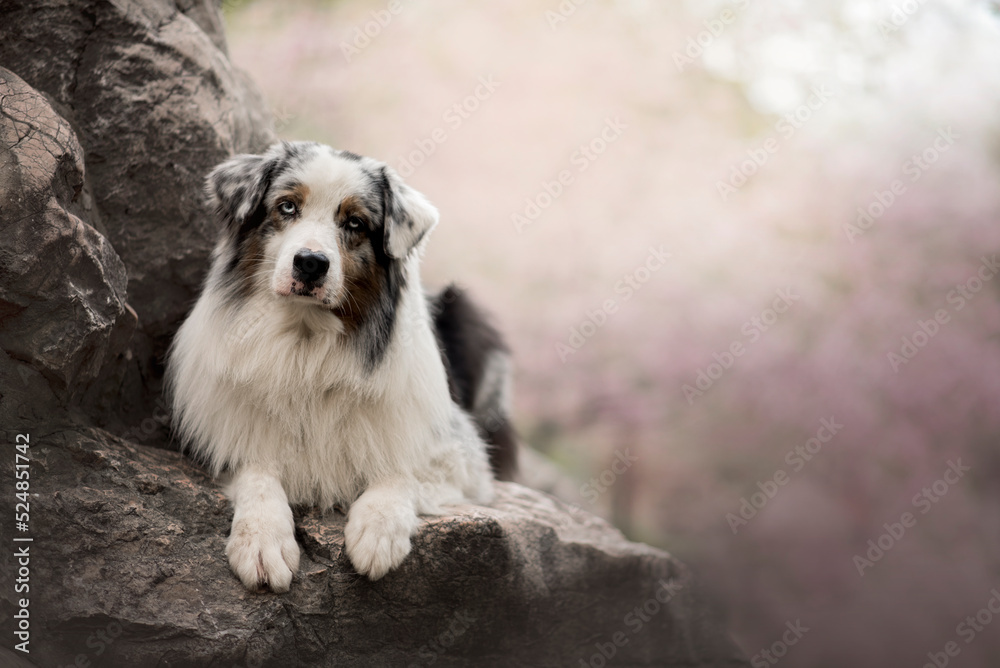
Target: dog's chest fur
{"points": [[285, 387], [312, 356]]}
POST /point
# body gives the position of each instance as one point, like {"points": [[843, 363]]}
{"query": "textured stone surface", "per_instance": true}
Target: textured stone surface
{"points": [[150, 92], [130, 540], [62, 285]]}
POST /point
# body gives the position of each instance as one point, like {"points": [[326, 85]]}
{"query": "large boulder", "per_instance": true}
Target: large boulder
{"points": [[129, 568], [62, 285], [147, 87]]}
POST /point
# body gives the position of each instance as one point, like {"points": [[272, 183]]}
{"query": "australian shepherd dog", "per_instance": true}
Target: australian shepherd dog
{"points": [[315, 370]]}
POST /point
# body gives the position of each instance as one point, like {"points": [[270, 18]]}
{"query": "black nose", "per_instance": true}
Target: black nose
{"points": [[310, 266]]}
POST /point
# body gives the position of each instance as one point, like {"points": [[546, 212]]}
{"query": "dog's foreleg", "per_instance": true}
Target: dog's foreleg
{"points": [[379, 526], [261, 548]]}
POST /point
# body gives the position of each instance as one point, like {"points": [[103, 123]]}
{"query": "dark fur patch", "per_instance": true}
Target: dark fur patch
{"points": [[364, 279], [374, 281], [466, 339], [395, 214]]}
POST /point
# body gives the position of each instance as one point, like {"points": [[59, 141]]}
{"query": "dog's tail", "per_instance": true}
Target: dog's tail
{"points": [[479, 373]]}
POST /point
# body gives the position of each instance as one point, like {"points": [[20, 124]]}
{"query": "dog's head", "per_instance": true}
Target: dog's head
{"points": [[318, 226]]}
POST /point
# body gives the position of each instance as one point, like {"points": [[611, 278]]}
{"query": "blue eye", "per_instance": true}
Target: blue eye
{"points": [[287, 208], [354, 223]]}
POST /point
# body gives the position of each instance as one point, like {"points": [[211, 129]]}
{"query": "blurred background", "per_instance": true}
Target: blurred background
{"points": [[712, 232]]}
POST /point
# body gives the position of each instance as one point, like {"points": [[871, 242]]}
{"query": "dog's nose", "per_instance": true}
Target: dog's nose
{"points": [[310, 266]]}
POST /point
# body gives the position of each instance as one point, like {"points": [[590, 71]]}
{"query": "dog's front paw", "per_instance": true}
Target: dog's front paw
{"points": [[262, 551], [377, 535]]}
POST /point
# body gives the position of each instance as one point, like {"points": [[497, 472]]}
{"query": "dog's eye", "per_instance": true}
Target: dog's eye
{"points": [[287, 208], [353, 223]]}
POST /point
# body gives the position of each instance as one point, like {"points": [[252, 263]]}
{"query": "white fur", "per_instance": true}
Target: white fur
{"points": [[269, 388], [330, 180]]}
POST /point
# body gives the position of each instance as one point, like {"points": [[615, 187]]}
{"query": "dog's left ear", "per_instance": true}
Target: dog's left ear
{"points": [[408, 215]]}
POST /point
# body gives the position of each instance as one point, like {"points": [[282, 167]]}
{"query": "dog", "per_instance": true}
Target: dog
{"points": [[314, 370]]}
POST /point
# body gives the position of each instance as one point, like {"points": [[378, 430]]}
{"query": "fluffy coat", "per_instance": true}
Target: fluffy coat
{"points": [[309, 371]]}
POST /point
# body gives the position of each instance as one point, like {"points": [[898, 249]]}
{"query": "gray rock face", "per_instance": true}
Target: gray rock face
{"points": [[133, 549], [110, 115], [147, 87], [62, 285]]}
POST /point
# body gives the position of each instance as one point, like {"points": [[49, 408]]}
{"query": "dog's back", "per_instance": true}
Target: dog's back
{"points": [[478, 364]]}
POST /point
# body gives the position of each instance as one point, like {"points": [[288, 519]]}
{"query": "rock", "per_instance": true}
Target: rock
{"points": [[62, 285], [10, 660], [128, 569], [150, 92]]}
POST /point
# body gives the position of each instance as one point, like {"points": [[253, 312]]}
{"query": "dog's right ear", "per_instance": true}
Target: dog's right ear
{"points": [[237, 188]]}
